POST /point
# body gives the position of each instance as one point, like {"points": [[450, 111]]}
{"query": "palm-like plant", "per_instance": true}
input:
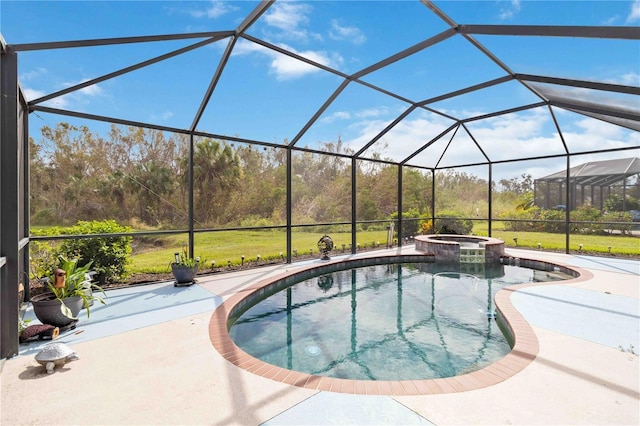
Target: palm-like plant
{"points": [[72, 280]]}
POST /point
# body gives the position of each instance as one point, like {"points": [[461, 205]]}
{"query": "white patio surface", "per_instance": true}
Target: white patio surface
{"points": [[146, 358]]}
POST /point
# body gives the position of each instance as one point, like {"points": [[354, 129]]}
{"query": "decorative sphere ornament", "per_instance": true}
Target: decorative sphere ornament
{"points": [[325, 245]]}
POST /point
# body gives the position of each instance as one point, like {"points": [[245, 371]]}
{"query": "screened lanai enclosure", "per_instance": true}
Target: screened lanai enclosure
{"points": [[247, 130], [590, 183]]}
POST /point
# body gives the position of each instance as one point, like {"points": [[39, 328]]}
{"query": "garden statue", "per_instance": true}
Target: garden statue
{"points": [[55, 354], [325, 245]]}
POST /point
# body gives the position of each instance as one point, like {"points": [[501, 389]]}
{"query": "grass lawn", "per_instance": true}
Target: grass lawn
{"points": [[153, 255], [619, 244]]}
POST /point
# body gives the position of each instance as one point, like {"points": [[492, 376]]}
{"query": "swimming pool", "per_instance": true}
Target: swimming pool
{"points": [[390, 321]]}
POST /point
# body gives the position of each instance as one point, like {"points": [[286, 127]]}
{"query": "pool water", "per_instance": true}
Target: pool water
{"points": [[385, 322]]}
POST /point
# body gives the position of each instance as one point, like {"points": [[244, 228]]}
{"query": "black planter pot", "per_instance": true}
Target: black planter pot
{"points": [[184, 274], [47, 309]]}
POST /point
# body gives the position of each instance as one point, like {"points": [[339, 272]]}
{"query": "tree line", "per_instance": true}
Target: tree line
{"points": [[140, 177]]}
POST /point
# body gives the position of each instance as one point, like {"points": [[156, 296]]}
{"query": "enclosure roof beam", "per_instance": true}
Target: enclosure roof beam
{"points": [[319, 112], [580, 107], [608, 87], [385, 130], [117, 40], [475, 141], [255, 14], [626, 33], [505, 111], [428, 144], [293, 55], [469, 89], [124, 71], [435, 9], [213, 83], [406, 52], [455, 132]]}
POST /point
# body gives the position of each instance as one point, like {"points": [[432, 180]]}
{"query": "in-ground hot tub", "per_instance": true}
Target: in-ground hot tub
{"points": [[461, 248]]}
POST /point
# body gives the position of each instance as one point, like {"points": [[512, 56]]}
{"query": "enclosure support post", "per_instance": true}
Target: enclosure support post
{"points": [[191, 198], [567, 210], [433, 200], [288, 206], [490, 197], [400, 236], [9, 195], [354, 213], [26, 209]]}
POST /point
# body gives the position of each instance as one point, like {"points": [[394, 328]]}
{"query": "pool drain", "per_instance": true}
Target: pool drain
{"points": [[312, 350]]}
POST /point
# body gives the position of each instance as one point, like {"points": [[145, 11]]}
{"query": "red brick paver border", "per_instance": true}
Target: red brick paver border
{"points": [[524, 351]]}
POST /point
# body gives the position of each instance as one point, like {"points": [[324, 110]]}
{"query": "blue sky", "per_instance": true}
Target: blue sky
{"points": [[266, 96]]}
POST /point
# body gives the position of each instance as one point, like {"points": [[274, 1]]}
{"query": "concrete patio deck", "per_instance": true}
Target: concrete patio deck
{"points": [[147, 358]]}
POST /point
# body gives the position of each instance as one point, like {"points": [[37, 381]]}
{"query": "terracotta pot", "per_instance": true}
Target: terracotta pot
{"points": [[47, 309]]}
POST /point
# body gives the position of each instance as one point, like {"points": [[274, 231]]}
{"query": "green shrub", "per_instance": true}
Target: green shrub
{"points": [[43, 257], [624, 228], [452, 223], [255, 221], [615, 203], [110, 255], [586, 214], [552, 221], [411, 222], [526, 220]]}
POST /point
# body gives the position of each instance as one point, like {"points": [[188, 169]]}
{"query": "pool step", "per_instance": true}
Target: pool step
{"points": [[472, 255]]}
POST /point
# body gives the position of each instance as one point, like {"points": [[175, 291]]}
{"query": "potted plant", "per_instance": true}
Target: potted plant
{"points": [[184, 268], [70, 290]]}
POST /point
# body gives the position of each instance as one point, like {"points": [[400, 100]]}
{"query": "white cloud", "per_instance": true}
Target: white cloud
{"points": [[372, 112], [634, 14], [510, 11], [32, 74], [163, 116], [59, 102], [338, 115], [288, 19], [628, 79], [341, 32], [514, 136], [93, 90], [215, 10], [285, 67], [598, 131], [287, 16], [631, 79], [245, 47], [32, 94], [510, 136]]}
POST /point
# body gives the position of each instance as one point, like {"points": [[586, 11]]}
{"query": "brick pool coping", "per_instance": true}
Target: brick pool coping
{"points": [[524, 351]]}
